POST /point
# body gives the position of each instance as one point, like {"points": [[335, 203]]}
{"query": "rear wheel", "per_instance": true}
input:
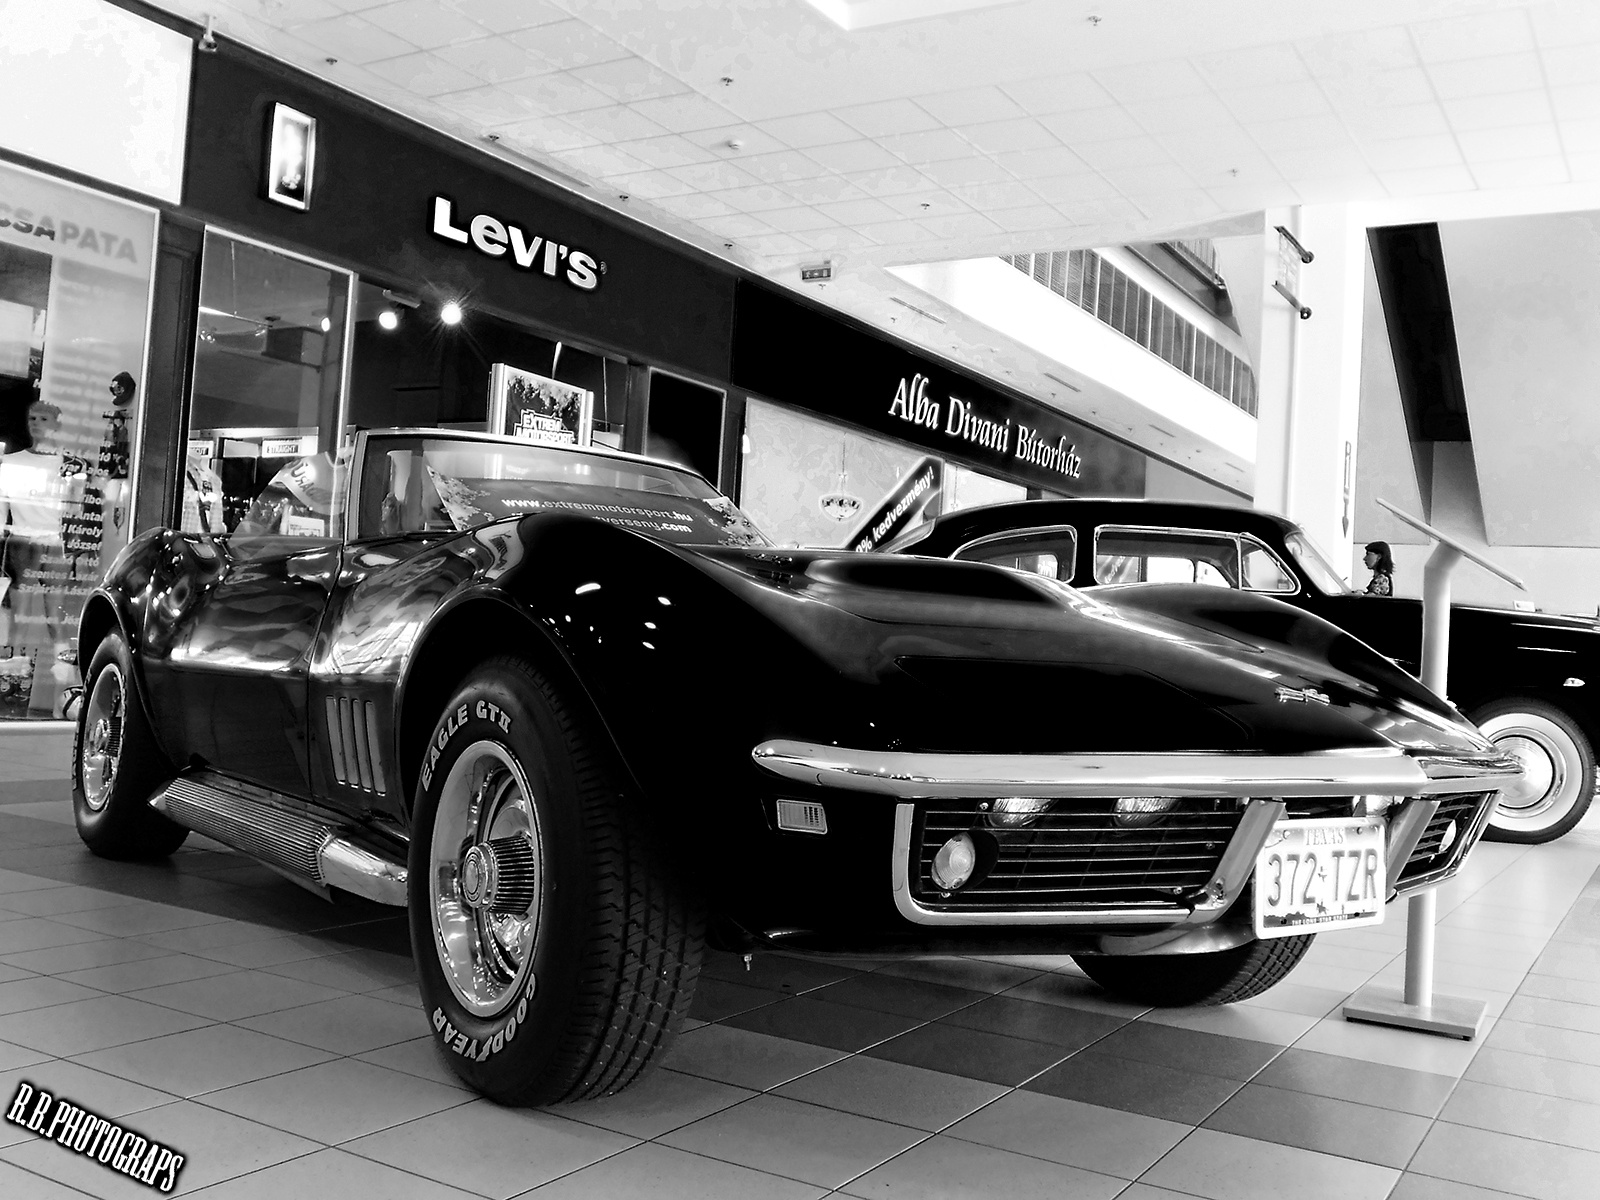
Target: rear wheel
{"points": [[1182, 980], [556, 950], [116, 765], [1558, 770]]}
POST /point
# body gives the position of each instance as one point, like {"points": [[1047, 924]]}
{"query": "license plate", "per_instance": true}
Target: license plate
{"points": [[1322, 874]]}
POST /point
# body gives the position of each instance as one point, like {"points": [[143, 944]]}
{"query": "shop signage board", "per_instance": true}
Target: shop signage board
{"points": [[397, 201], [90, 87], [291, 157], [795, 354]]}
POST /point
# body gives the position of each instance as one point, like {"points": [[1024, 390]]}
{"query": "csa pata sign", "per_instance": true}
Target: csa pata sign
{"points": [[959, 420], [531, 252]]}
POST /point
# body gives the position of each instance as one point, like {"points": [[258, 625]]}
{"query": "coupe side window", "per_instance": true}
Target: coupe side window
{"points": [[1263, 572], [1130, 555], [1050, 553]]}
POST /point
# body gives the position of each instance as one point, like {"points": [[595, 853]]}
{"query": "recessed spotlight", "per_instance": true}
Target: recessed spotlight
{"points": [[325, 324], [450, 314], [389, 319]]}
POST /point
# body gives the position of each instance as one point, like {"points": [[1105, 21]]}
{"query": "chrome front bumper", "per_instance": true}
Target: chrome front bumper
{"points": [[1264, 782]]}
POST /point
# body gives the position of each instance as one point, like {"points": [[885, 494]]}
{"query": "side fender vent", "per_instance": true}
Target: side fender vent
{"points": [[353, 744]]}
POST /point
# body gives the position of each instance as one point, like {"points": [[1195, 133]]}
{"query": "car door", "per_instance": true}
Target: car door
{"points": [[235, 628], [1391, 625]]}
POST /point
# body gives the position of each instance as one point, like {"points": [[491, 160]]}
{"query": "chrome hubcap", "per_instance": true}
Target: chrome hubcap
{"points": [[1552, 766], [485, 878], [102, 738], [1543, 773]]}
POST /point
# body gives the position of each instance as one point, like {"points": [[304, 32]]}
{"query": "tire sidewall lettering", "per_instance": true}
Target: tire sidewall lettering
{"points": [[482, 1049], [454, 722]]}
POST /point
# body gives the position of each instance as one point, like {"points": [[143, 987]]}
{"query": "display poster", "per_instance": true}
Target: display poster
{"points": [[74, 311], [536, 408], [913, 499]]}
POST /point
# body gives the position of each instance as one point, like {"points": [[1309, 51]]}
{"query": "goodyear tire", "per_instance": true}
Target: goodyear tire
{"points": [[1182, 980], [555, 952], [1559, 767], [116, 764]]}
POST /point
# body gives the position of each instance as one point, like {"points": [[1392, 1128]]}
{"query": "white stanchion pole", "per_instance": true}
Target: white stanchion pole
{"points": [[1423, 907], [1417, 1007]]}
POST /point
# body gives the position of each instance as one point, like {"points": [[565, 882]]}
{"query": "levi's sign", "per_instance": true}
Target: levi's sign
{"points": [[962, 421], [495, 238]]}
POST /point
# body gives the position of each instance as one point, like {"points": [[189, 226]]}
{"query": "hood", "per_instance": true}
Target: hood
{"points": [[982, 658]]}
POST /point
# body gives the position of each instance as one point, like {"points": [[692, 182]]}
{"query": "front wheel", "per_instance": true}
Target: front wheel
{"points": [[116, 765], [556, 950], [1558, 770], [1183, 980]]}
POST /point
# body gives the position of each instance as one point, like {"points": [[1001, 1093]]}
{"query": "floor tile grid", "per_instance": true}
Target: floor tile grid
{"points": [[1461, 903], [1509, 1107]]}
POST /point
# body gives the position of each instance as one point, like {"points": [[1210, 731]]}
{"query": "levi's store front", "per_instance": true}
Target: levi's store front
{"points": [[341, 268], [850, 439]]}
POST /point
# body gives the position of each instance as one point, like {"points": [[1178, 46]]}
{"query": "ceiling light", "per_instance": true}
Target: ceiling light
{"points": [[325, 324], [450, 314], [389, 319]]}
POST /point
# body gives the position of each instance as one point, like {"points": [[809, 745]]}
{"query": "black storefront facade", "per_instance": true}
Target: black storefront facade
{"points": [[413, 280]]}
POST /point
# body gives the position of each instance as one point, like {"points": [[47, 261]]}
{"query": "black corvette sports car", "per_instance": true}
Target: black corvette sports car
{"points": [[1527, 679], [571, 709]]}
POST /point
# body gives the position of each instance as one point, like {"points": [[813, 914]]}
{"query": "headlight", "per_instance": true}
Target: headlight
{"points": [[1013, 812], [1144, 810]]}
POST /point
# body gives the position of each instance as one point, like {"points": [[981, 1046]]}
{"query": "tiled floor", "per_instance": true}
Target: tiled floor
{"points": [[275, 1039]]}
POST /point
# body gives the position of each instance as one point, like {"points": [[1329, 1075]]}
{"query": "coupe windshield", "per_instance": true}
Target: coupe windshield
{"points": [[422, 485], [1315, 564]]}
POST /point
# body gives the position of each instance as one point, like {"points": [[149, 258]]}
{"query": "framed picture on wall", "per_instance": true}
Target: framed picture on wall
{"points": [[537, 408]]}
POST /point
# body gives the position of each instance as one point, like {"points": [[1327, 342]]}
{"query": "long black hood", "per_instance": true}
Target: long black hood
{"points": [[979, 658]]}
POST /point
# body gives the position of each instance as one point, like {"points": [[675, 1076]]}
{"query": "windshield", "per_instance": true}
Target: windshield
{"points": [[1315, 564], [423, 484]]}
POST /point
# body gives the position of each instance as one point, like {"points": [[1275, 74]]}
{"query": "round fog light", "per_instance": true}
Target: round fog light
{"points": [[953, 865], [1143, 810], [1449, 838]]}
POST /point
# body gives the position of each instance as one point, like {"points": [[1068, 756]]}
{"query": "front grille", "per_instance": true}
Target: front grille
{"points": [[1428, 856], [1075, 857]]}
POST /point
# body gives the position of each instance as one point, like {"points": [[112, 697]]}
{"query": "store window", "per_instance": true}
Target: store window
{"points": [[413, 369], [269, 368], [807, 482], [75, 271], [966, 488]]}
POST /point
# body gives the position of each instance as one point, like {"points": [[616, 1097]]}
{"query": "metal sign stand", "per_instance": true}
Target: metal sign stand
{"points": [[1417, 1007]]}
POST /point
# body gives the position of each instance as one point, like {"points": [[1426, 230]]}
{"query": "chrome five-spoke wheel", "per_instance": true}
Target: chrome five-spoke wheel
{"points": [[485, 878], [102, 738]]}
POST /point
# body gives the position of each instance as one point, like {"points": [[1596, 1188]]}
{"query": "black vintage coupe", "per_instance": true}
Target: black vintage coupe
{"points": [[570, 708], [1529, 680]]}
